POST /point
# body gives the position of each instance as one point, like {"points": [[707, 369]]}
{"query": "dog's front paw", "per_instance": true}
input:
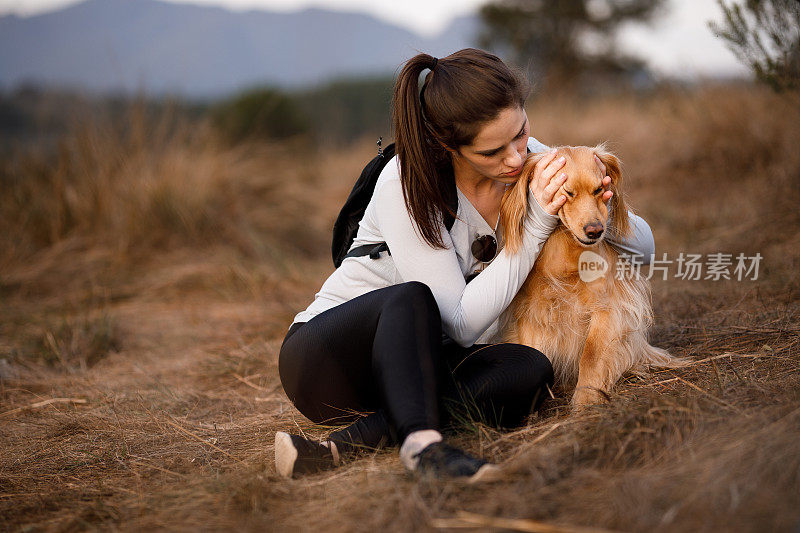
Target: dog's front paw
{"points": [[585, 396]]}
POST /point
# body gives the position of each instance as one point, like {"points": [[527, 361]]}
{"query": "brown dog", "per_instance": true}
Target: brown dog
{"points": [[591, 324]]}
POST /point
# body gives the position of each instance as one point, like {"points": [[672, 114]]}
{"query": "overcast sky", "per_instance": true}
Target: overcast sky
{"points": [[678, 44]]}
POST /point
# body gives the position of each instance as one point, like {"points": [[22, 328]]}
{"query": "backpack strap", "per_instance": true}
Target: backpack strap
{"points": [[372, 250], [346, 225]]}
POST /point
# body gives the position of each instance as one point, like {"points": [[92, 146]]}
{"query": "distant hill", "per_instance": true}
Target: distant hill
{"points": [[198, 51]]}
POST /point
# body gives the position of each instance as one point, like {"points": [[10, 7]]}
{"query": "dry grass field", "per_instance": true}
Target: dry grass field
{"points": [[148, 274]]}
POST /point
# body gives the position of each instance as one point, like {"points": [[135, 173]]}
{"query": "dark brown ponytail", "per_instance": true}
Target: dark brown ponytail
{"points": [[462, 92]]}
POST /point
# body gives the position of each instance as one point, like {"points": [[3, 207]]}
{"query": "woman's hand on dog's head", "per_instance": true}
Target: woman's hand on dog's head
{"points": [[546, 181], [606, 181]]}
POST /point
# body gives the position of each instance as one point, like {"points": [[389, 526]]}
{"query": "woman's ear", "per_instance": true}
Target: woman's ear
{"points": [[515, 204], [620, 222]]}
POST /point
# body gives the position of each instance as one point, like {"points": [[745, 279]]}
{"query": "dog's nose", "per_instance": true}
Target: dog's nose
{"points": [[593, 230]]}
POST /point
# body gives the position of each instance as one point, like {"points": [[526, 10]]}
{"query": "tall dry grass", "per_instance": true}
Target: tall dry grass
{"points": [[149, 184], [148, 274]]}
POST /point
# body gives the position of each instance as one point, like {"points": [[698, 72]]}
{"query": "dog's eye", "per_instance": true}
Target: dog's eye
{"points": [[569, 193], [598, 191]]}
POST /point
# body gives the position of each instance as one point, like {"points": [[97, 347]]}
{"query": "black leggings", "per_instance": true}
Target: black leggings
{"points": [[378, 363]]}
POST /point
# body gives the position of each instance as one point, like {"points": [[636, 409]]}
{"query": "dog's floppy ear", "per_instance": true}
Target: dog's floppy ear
{"points": [[515, 205], [620, 223]]}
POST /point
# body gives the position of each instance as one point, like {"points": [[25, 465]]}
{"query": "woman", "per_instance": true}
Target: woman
{"points": [[370, 349]]}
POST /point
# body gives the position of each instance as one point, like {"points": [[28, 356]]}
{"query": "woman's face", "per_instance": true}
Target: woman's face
{"points": [[499, 149]]}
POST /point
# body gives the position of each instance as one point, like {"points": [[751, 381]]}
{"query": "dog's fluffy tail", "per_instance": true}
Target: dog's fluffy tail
{"points": [[653, 357]]}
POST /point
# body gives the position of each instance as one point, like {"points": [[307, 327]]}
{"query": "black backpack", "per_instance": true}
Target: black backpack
{"points": [[346, 225]]}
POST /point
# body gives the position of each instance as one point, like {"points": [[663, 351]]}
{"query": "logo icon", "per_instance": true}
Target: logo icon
{"points": [[591, 266]]}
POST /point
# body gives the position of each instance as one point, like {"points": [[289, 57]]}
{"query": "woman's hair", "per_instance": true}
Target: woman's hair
{"points": [[461, 93]]}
